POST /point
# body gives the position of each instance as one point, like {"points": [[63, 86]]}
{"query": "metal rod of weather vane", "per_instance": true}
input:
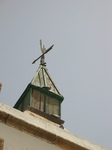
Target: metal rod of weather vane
{"points": [[43, 54]]}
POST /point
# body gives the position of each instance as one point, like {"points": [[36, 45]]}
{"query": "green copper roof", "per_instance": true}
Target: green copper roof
{"points": [[42, 79], [41, 82]]}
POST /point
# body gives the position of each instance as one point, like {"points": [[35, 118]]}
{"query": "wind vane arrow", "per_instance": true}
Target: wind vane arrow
{"points": [[46, 51]]}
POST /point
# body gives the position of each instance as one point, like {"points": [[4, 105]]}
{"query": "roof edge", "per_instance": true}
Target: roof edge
{"points": [[51, 94], [14, 118], [22, 96], [59, 97]]}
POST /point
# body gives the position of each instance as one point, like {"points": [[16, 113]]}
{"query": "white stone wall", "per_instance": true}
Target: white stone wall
{"points": [[17, 140]]}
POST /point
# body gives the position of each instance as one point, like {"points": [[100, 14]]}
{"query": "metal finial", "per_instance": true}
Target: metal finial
{"points": [[44, 51]]}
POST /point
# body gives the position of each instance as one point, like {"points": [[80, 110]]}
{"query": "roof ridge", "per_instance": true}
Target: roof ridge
{"points": [[42, 78]]}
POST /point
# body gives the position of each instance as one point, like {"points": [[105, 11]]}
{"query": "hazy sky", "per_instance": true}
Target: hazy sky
{"points": [[80, 62]]}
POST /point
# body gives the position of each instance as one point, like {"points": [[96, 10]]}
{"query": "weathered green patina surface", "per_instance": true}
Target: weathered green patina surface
{"points": [[41, 94]]}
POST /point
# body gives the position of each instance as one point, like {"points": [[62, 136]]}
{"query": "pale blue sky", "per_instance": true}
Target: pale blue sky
{"points": [[79, 63]]}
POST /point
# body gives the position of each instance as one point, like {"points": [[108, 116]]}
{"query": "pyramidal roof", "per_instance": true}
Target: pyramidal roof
{"points": [[42, 79], [43, 83]]}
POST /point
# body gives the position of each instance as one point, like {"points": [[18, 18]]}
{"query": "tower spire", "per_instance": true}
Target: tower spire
{"points": [[41, 96]]}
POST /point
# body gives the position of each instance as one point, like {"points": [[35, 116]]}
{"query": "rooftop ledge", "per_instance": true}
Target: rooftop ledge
{"points": [[40, 127]]}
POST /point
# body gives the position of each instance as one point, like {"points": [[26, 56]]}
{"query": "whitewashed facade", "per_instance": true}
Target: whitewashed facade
{"points": [[16, 140]]}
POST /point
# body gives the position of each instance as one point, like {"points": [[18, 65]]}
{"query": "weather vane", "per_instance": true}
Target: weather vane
{"points": [[44, 51]]}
